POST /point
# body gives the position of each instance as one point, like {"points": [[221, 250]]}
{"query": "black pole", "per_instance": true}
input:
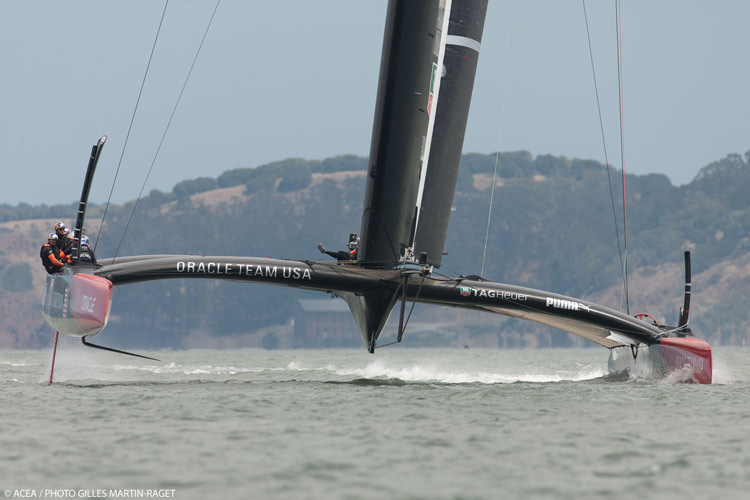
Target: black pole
{"points": [[685, 311], [404, 286], [111, 349], [96, 150]]}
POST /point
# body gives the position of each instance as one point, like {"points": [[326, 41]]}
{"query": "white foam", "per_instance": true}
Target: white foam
{"points": [[722, 373], [433, 373], [17, 364], [188, 370]]}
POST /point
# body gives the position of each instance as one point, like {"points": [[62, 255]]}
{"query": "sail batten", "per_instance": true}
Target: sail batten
{"points": [[463, 41]]}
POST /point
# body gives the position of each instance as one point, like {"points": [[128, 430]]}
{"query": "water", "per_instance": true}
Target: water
{"points": [[402, 423]]}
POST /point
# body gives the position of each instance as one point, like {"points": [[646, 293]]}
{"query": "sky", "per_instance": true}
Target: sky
{"points": [[295, 78]]}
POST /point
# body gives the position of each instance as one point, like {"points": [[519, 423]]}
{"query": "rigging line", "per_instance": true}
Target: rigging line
{"points": [[499, 137], [492, 198], [676, 329], [132, 119], [604, 144], [414, 302], [622, 148], [166, 130]]}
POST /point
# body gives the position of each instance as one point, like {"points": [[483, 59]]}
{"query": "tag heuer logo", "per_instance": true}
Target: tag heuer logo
{"points": [[465, 291]]}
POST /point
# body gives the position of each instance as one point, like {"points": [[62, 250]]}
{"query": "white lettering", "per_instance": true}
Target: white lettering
{"points": [[500, 294], [566, 304], [296, 273], [57, 300], [88, 303], [98, 493], [61, 493], [689, 361], [26, 493]]}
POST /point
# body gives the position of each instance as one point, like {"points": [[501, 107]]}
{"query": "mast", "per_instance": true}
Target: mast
{"points": [[96, 150]]}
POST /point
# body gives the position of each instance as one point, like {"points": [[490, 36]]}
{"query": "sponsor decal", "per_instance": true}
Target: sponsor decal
{"points": [[285, 272], [692, 362], [87, 304], [57, 300], [432, 89], [465, 291], [566, 304], [65, 303]]}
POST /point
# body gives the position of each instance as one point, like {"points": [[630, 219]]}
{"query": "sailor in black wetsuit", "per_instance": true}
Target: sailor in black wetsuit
{"points": [[64, 241], [86, 254], [343, 255], [52, 260], [59, 229]]}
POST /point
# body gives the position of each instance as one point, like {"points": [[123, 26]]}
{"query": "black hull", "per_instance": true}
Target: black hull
{"points": [[600, 324]]}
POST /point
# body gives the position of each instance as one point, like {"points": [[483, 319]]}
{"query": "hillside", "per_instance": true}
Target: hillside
{"points": [[552, 228]]}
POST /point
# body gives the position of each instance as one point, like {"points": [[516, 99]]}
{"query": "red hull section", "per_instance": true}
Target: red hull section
{"points": [[77, 304], [687, 353], [677, 359]]}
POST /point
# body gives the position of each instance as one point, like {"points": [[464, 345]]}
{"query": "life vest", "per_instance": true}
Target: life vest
{"points": [[51, 258], [86, 256], [65, 244]]}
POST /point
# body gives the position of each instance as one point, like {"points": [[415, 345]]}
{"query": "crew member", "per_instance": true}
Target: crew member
{"points": [[344, 255], [86, 253], [66, 242], [59, 229], [52, 259]]}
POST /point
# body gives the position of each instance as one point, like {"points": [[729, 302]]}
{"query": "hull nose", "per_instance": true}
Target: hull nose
{"points": [[675, 358], [77, 304], [688, 353]]}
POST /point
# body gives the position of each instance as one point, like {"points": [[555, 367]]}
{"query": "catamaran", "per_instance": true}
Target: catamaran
{"points": [[429, 60]]}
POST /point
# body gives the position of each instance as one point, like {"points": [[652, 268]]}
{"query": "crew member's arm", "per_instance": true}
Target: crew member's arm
{"points": [[54, 260]]}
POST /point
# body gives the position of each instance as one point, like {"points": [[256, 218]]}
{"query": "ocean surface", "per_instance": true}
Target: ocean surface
{"points": [[400, 423]]}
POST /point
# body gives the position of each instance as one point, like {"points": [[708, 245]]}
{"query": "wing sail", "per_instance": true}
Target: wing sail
{"points": [[399, 130], [459, 67]]}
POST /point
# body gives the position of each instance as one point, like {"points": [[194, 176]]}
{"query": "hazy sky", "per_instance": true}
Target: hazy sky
{"points": [[298, 78]]}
